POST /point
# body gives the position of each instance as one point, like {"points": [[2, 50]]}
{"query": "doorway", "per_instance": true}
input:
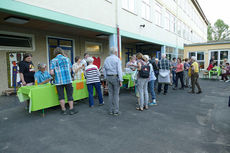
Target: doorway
{"points": [[65, 44]]}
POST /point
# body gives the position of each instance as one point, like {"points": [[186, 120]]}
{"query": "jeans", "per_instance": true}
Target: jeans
{"points": [[97, 86], [142, 86], [151, 89], [114, 89], [166, 86], [180, 75], [174, 77], [186, 78]]}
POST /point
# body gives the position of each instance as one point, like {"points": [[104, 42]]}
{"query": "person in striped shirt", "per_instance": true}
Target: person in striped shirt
{"points": [[92, 75]]}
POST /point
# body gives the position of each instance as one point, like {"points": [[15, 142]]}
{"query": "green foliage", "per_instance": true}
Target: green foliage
{"points": [[220, 31]]}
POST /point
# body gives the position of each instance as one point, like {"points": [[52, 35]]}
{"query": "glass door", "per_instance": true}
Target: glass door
{"points": [[65, 44]]}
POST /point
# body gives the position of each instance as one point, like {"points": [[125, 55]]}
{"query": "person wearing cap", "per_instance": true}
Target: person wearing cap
{"points": [[113, 74], [195, 75], [42, 76]]}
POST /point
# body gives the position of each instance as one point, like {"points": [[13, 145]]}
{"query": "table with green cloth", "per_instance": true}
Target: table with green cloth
{"points": [[45, 96], [128, 80]]}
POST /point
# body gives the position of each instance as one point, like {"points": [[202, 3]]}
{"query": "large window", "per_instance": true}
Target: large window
{"points": [[219, 56], [167, 20], [179, 26], [170, 52], [158, 16], [16, 41], [172, 23], [199, 56], [93, 48], [146, 9], [129, 5], [181, 53]]}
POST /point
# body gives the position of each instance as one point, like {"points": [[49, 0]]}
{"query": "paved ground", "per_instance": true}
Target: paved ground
{"points": [[181, 123]]}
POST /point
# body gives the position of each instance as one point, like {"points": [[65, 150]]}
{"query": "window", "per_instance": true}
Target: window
{"points": [[170, 52], [181, 53], [129, 5], [167, 20], [172, 23], [146, 9], [16, 41], [199, 56], [219, 56], [94, 48], [179, 27], [158, 16]]}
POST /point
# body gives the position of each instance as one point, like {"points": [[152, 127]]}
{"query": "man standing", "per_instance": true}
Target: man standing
{"points": [[195, 75], [164, 74], [61, 68], [113, 74], [174, 66]]}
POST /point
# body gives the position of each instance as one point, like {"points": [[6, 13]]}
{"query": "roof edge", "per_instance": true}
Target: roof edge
{"points": [[199, 9]]}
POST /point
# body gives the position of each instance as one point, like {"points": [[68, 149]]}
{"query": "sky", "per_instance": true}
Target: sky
{"points": [[216, 9]]}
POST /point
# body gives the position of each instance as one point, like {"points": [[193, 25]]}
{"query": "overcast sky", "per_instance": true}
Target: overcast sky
{"points": [[216, 9]]}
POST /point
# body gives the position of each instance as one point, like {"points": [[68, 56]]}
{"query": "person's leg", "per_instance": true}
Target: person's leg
{"points": [[166, 86], [146, 94], [90, 91], [116, 85], [141, 92], [151, 86], [69, 92], [111, 93], [174, 77], [98, 90], [181, 79], [186, 78], [177, 77], [193, 83], [60, 91], [196, 82], [159, 87]]}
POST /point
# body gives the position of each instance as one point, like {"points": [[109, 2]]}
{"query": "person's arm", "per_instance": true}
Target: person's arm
{"points": [[22, 78], [46, 81], [104, 69], [139, 66], [120, 72]]}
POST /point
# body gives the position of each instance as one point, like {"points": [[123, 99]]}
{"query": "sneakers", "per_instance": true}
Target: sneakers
{"points": [[153, 102], [63, 112], [227, 80], [101, 104], [199, 92], [72, 111]]}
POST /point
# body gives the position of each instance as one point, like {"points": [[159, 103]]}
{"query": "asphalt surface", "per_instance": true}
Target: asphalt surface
{"points": [[181, 123]]}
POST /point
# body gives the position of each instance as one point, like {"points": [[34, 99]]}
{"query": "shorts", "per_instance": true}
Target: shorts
{"points": [[69, 91]]}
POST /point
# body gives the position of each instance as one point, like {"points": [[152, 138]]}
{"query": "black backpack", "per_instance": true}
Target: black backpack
{"points": [[145, 71]]}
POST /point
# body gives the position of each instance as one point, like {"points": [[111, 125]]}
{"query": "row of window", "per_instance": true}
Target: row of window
{"points": [[168, 21]]}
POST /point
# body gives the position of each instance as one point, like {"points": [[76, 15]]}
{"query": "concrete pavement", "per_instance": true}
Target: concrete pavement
{"points": [[181, 123]]}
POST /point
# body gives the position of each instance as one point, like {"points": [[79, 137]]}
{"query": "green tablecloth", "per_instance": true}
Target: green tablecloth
{"points": [[45, 96], [128, 80]]}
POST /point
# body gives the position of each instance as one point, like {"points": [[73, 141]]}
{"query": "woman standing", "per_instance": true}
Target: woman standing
{"points": [[92, 75], [142, 82], [179, 73], [77, 68]]}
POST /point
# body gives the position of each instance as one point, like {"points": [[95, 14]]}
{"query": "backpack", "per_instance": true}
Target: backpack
{"points": [[145, 71]]}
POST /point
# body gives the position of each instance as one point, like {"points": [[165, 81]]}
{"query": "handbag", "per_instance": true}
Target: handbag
{"points": [[164, 76]]}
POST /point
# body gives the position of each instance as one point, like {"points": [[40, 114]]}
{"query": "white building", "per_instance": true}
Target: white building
{"points": [[78, 26]]}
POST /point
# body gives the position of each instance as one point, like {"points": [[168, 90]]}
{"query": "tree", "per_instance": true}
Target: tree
{"points": [[220, 31]]}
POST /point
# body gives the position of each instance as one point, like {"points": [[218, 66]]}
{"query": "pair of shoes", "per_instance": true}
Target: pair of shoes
{"points": [[164, 93], [72, 111], [110, 113], [199, 92], [227, 80], [146, 107], [64, 112], [91, 106], [141, 109], [181, 88], [174, 88], [192, 92], [116, 114], [186, 86], [101, 104], [154, 102]]}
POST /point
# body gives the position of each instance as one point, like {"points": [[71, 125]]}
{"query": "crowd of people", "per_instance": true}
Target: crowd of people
{"points": [[151, 74]]}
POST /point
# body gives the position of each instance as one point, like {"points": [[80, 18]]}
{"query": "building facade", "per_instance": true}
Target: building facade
{"points": [[220, 50], [149, 26]]}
